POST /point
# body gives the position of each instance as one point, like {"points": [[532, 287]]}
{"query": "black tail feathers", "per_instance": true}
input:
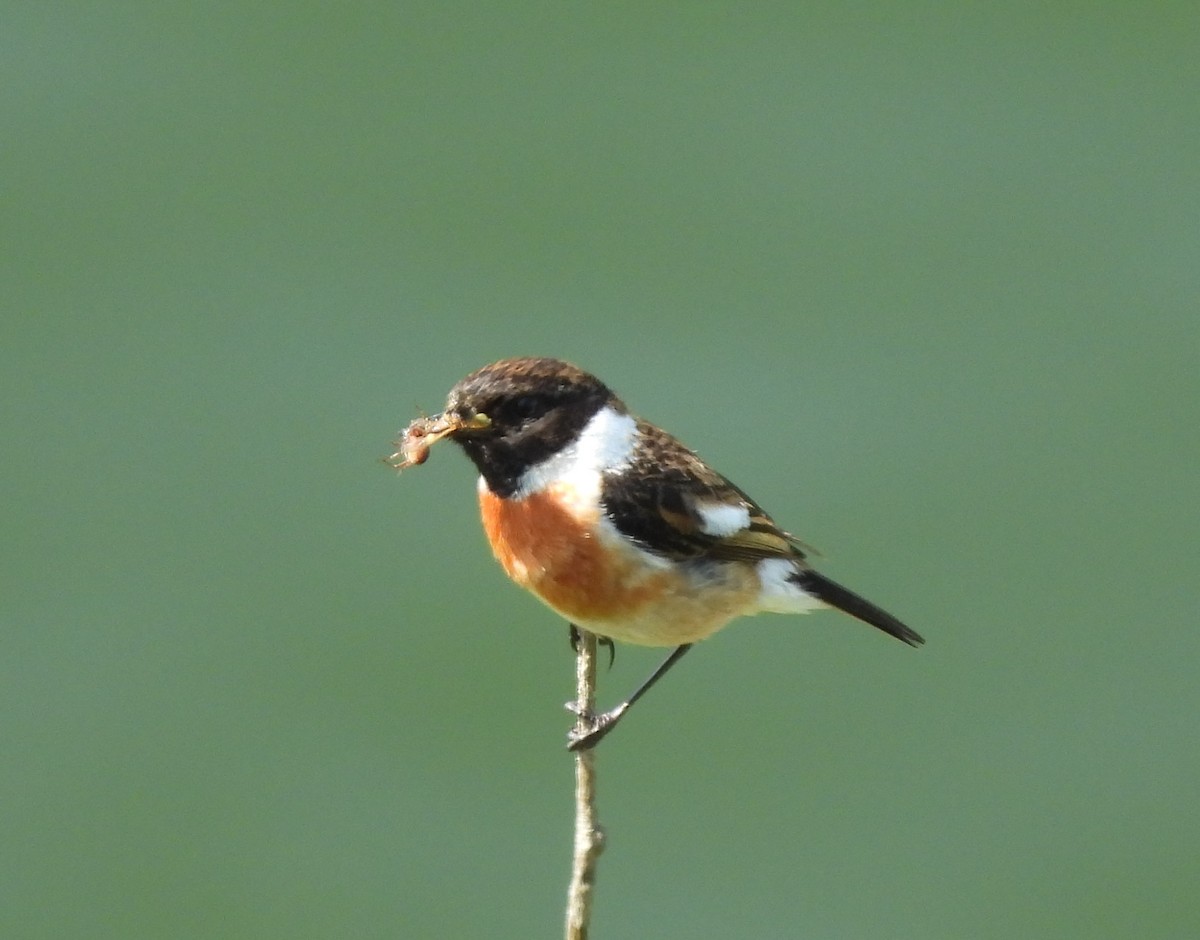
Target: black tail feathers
{"points": [[833, 594]]}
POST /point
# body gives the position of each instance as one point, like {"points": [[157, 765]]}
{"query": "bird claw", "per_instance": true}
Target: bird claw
{"points": [[600, 641], [591, 728]]}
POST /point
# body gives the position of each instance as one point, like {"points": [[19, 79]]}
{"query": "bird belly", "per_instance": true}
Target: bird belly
{"points": [[563, 550]]}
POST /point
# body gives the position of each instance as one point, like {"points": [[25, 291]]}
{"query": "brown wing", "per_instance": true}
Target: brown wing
{"points": [[661, 499]]}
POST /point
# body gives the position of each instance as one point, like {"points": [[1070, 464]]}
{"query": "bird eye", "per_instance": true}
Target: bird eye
{"points": [[523, 408]]}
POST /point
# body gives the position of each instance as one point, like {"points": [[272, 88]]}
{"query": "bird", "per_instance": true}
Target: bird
{"points": [[614, 523]]}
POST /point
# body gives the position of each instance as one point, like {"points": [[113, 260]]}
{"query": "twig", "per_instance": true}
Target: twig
{"points": [[589, 837]]}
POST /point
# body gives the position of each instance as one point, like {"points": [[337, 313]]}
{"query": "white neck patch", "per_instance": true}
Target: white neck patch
{"points": [[606, 443]]}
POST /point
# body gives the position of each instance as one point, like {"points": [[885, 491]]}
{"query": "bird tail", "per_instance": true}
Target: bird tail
{"points": [[833, 594]]}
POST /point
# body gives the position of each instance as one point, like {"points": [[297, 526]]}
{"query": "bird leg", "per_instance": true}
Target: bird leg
{"points": [[602, 724]]}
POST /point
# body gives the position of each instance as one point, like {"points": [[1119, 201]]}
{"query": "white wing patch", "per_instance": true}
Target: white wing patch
{"points": [[722, 519]]}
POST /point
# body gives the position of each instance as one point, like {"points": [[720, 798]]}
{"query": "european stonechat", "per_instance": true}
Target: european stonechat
{"points": [[613, 523]]}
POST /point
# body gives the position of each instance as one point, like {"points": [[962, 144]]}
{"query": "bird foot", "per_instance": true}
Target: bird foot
{"points": [[590, 728]]}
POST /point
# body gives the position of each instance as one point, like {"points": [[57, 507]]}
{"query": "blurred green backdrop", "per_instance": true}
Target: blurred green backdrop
{"points": [[922, 277]]}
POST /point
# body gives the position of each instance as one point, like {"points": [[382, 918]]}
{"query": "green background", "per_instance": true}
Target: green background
{"points": [[923, 278]]}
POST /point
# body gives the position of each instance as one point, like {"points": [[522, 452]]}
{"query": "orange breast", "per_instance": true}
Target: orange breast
{"points": [[547, 543]]}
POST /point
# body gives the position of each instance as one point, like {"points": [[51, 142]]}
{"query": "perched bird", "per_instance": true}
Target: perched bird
{"points": [[614, 523]]}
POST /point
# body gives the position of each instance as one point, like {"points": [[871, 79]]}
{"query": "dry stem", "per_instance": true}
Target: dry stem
{"points": [[589, 837]]}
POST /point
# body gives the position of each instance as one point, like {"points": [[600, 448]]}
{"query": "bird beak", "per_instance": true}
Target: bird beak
{"points": [[412, 449]]}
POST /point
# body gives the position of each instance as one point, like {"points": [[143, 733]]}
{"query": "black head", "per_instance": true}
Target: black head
{"points": [[515, 413]]}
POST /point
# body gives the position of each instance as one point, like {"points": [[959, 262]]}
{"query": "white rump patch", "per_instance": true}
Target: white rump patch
{"points": [[605, 443], [780, 594], [722, 519]]}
